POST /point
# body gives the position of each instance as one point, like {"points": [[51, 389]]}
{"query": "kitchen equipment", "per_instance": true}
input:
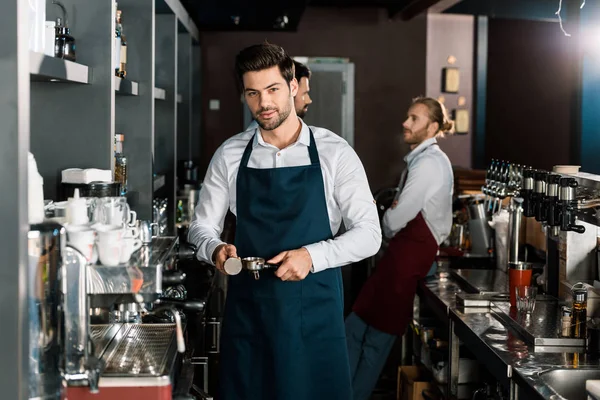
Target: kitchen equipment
{"points": [[479, 229], [93, 189], [46, 244], [479, 299], [64, 43], [58, 316], [515, 221], [234, 266], [552, 204], [568, 206], [160, 216], [146, 229]]}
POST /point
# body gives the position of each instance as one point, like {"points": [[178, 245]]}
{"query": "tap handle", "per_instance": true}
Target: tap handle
{"points": [[179, 333], [94, 367], [577, 228]]}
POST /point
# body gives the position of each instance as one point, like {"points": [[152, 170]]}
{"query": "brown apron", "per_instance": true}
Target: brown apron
{"points": [[386, 299]]}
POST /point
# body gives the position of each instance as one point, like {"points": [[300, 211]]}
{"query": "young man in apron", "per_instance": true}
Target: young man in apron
{"points": [[418, 221], [290, 186]]}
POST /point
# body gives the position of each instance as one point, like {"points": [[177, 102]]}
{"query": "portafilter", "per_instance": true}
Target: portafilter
{"points": [[234, 266]]}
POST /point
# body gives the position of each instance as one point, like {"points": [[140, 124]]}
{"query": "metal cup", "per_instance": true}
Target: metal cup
{"points": [[146, 229]]}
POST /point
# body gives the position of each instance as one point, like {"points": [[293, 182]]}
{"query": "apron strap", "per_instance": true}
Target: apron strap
{"points": [[248, 151], [312, 151]]}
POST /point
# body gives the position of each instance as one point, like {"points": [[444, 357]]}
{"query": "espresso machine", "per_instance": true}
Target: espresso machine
{"points": [[107, 332], [566, 205], [59, 347]]}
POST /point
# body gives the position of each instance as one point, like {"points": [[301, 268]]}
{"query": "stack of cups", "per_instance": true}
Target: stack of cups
{"points": [[111, 237]]}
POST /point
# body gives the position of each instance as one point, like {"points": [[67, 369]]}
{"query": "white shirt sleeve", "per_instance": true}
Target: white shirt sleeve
{"points": [[422, 181], [213, 202], [359, 212]]}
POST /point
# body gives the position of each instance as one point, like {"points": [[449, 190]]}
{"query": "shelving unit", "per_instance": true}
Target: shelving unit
{"points": [[43, 68], [160, 94], [67, 113], [126, 87]]}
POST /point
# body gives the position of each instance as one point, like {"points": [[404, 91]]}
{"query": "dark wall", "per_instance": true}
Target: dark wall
{"points": [[452, 35], [529, 93], [389, 58]]}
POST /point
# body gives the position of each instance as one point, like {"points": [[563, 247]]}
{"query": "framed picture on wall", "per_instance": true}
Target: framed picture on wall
{"points": [[450, 80], [461, 121]]}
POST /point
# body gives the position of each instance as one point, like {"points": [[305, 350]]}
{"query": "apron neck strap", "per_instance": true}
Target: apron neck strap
{"points": [[312, 150]]}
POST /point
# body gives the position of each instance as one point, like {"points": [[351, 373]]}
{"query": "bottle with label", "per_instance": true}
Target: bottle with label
{"points": [[117, 50], [120, 174], [123, 51]]}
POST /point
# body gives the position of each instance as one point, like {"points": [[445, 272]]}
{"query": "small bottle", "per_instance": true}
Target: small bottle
{"points": [[566, 322], [578, 327], [118, 39], [64, 43], [120, 174], [123, 51]]}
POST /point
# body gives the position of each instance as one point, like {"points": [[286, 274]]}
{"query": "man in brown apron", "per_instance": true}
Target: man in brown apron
{"points": [[418, 221]]}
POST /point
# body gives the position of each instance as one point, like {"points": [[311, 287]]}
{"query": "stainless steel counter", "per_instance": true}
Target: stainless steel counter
{"points": [[482, 280], [503, 350]]}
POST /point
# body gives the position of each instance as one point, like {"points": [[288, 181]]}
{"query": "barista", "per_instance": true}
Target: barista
{"points": [[290, 186], [417, 222]]}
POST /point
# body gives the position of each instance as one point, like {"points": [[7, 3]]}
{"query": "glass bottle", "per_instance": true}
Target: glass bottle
{"points": [[578, 327], [123, 50], [117, 50], [120, 174]]}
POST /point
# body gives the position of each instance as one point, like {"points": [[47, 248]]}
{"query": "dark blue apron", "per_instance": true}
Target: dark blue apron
{"points": [[283, 340]]}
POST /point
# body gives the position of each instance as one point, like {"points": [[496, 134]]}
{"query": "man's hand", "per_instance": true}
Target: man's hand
{"points": [[222, 253], [295, 264], [394, 204]]}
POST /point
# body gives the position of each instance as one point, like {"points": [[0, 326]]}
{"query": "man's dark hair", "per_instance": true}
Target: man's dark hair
{"points": [[263, 56], [302, 71]]}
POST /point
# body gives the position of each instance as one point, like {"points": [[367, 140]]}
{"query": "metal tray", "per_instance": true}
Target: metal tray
{"points": [[141, 350]]}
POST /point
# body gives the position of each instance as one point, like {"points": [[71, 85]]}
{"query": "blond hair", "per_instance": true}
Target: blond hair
{"points": [[437, 113]]}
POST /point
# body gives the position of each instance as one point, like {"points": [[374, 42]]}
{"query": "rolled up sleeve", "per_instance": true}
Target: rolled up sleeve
{"points": [[213, 202], [353, 196]]}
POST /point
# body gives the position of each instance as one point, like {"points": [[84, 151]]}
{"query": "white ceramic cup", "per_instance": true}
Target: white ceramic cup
{"points": [[129, 245], [132, 232], [82, 238], [110, 243], [114, 211]]}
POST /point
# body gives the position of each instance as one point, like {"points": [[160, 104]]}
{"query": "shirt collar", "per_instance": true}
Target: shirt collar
{"points": [[419, 149], [303, 138]]}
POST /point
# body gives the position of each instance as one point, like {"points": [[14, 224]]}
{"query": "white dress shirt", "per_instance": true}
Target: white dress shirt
{"points": [[347, 194], [427, 189]]}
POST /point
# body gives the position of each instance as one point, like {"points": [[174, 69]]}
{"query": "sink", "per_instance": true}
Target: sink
{"points": [[570, 382]]}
